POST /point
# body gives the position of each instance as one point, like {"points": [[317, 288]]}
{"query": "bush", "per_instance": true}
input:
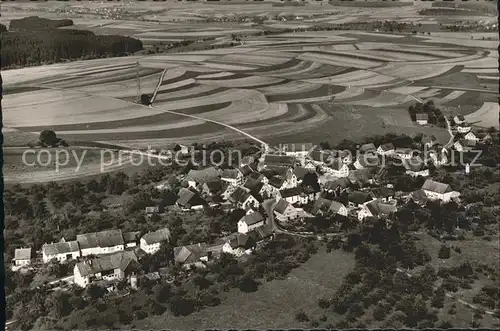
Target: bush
{"points": [[301, 316]]}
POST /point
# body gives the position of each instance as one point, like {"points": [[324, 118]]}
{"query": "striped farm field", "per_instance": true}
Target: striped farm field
{"points": [[486, 116], [326, 85]]}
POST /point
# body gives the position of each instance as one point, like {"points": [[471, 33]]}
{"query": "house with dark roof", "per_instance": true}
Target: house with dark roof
{"points": [[319, 158], [189, 200], [114, 266], [337, 186], [439, 191], [336, 168], [232, 176], [238, 245], [152, 210], [297, 195], [284, 211], [403, 153], [416, 167], [22, 257], [213, 188], [151, 242], [279, 160], [243, 198], [376, 208], [362, 176], [419, 197], [459, 119], [358, 198], [297, 149], [195, 255], [386, 149], [384, 193], [250, 221], [131, 238], [245, 170], [198, 177], [463, 145], [300, 172], [61, 251], [104, 242], [246, 161], [422, 118]]}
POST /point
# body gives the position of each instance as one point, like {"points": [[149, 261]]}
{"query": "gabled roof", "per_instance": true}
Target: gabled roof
{"points": [[185, 195], [337, 164], [245, 170], [276, 181], [215, 186], [321, 204], [384, 192], [157, 236], [230, 173], [359, 197], [253, 185], [275, 170], [297, 147], [367, 148], [418, 196], [291, 192], [386, 208], [343, 182], [300, 172], [240, 240], [22, 254], [252, 218], [120, 260], [373, 207], [240, 195], [460, 117], [335, 207], [387, 147], [203, 175], [436, 187], [256, 176], [260, 233], [319, 156], [285, 160], [281, 206], [190, 253], [131, 236], [360, 176], [60, 248], [247, 159], [107, 238], [403, 150]]}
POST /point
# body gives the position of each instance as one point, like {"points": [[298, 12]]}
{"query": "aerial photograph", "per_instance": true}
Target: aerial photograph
{"points": [[250, 164]]}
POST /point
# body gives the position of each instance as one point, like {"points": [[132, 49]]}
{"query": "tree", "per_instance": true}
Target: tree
{"points": [[444, 252], [247, 284], [48, 137]]}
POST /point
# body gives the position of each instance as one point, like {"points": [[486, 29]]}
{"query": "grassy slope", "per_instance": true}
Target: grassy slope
{"points": [[276, 302]]}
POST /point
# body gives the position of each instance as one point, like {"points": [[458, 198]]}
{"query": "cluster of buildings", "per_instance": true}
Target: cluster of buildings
{"points": [[464, 137]]}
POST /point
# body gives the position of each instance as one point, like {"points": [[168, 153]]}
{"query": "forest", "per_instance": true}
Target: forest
{"points": [[36, 41]]}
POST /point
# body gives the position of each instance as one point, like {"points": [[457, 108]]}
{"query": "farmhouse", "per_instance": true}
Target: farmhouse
{"points": [[299, 173], [415, 167], [131, 239], [151, 242], [103, 242], [337, 186], [246, 161], [337, 208], [367, 148], [239, 245], [422, 118], [284, 211], [192, 255], [213, 188], [463, 145], [321, 206], [295, 195], [114, 266], [243, 198], [337, 168], [188, 199], [419, 197], [358, 198], [385, 149], [470, 136], [22, 257], [439, 191], [319, 158], [375, 208], [232, 176], [249, 222], [384, 193], [344, 155], [151, 210], [245, 170], [61, 251], [198, 177], [361, 176]]}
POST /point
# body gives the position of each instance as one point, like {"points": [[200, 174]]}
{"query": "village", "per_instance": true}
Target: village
{"points": [[279, 192]]}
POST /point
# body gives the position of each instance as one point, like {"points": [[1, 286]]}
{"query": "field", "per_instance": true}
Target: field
{"points": [[312, 85], [317, 278]]}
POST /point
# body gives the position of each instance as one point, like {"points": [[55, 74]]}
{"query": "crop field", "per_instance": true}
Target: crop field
{"points": [[309, 85]]}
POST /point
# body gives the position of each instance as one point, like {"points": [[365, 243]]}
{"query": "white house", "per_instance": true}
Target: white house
{"points": [[104, 242], [386, 149], [293, 195], [403, 153], [375, 208], [238, 245], [337, 168], [284, 211], [337, 208], [439, 191], [463, 127], [192, 255], [61, 251], [151, 242], [422, 118], [189, 200], [198, 177], [249, 222], [115, 266], [22, 257], [232, 176], [131, 239], [299, 150], [243, 198], [470, 136]]}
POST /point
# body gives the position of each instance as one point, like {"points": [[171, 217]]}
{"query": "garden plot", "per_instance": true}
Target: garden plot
{"points": [[383, 100], [486, 116], [413, 71]]}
